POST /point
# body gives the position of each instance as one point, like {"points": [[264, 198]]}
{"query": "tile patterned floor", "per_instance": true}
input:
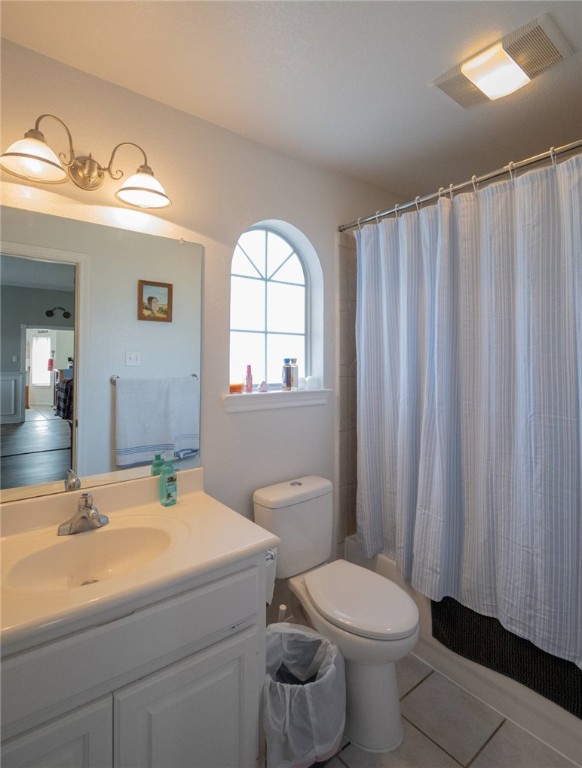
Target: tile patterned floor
{"points": [[445, 727]]}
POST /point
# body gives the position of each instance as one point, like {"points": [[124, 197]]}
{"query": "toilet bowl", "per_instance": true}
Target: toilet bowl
{"points": [[373, 621]]}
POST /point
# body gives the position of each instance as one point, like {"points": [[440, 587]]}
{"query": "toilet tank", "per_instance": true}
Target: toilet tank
{"points": [[300, 513]]}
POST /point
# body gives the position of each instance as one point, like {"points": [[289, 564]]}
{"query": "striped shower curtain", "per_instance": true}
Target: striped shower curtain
{"points": [[469, 348]]}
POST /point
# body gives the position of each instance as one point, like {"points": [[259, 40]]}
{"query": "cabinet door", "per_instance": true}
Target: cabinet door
{"points": [[198, 713], [82, 739]]}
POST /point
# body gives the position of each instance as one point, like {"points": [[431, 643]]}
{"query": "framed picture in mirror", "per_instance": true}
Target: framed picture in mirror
{"points": [[154, 301]]}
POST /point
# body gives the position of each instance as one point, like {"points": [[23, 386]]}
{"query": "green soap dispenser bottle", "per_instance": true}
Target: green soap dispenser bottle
{"points": [[168, 485], [157, 464]]}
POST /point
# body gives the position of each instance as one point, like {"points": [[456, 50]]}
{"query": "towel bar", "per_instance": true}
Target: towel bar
{"points": [[114, 377]]}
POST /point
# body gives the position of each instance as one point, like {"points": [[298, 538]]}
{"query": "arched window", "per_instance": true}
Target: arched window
{"points": [[269, 307]]}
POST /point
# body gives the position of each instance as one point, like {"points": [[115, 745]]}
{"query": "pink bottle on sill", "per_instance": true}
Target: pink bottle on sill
{"points": [[248, 385]]}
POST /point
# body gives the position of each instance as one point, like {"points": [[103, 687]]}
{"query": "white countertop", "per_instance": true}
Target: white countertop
{"points": [[206, 535]]}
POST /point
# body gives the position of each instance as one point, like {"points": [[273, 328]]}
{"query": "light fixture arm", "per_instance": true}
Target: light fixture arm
{"points": [[36, 133], [118, 174]]}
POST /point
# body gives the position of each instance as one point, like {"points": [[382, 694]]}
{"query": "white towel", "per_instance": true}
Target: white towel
{"points": [[156, 416]]}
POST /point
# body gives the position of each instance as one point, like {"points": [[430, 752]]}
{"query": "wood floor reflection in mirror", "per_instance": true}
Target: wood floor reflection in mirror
{"points": [[38, 450]]}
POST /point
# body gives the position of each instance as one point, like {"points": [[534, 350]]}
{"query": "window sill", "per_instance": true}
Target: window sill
{"points": [[260, 401]]}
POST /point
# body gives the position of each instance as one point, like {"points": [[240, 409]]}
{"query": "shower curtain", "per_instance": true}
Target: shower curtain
{"points": [[469, 349]]}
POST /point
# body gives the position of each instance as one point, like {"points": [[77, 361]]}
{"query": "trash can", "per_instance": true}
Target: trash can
{"points": [[304, 697]]}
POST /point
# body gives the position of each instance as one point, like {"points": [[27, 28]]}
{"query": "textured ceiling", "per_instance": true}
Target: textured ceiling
{"points": [[344, 85]]}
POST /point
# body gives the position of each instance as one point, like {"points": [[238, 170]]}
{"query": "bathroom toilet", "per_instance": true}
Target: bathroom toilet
{"points": [[373, 621]]}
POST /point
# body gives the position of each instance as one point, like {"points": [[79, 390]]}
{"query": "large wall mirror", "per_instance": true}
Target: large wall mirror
{"points": [[72, 323]]}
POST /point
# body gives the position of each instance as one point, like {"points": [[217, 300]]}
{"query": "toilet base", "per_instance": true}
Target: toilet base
{"points": [[373, 720]]}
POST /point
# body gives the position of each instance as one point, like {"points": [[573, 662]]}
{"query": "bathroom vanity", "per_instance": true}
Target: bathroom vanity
{"points": [[143, 650]]}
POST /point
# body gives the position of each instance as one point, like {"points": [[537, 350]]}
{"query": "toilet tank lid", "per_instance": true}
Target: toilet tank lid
{"points": [[292, 492]]}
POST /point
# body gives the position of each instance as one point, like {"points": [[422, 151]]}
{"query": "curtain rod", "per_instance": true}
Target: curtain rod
{"points": [[509, 168]]}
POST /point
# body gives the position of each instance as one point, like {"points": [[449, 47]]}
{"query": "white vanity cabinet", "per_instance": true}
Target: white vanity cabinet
{"points": [[173, 684], [82, 739], [194, 713]]}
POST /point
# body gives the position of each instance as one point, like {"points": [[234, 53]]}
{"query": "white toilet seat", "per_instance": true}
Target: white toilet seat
{"points": [[362, 602]]}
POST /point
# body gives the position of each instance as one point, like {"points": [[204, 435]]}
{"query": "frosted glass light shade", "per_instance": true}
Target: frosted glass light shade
{"points": [[143, 191], [32, 159], [495, 73]]}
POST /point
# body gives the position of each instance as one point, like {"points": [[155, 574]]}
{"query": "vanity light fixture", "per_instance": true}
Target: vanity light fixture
{"points": [[31, 158], [507, 65]]}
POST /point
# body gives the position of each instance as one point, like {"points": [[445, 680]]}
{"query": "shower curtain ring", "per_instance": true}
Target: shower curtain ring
{"points": [[441, 191], [553, 156], [417, 203], [451, 192], [396, 207], [377, 217], [474, 182], [359, 225], [510, 169]]}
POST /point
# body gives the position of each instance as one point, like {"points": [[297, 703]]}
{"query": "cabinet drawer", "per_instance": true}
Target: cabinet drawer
{"points": [[78, 668]]}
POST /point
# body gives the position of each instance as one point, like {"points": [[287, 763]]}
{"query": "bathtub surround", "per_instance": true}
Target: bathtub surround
{"points": [[484, 640], [468, 401], [347, 389]]}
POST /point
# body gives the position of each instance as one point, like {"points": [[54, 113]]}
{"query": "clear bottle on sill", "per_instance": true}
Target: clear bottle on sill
{"points": [[294, 374], [286, 375], [248, 382]]}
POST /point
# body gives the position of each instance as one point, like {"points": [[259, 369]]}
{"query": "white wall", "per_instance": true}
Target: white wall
{"points": [[64, 348], [220, 184]]}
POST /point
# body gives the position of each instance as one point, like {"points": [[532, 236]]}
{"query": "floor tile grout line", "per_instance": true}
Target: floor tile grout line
{"points": [[415, 686], [339, 757], [442, 749], [482, 747]]}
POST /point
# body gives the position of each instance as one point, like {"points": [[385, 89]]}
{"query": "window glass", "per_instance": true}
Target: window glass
{"points": [[290, 272], [253, 244], [242, 265], [247, 304], [267, 307], [246, 348], [279, 251], [286, 307]]}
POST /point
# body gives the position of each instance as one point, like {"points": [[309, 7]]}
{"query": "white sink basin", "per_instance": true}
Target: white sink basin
{"points": [[86, 558], [52, 586]]}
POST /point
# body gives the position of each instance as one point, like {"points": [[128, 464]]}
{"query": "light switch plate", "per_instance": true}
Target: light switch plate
{"points": [[132, 358]]}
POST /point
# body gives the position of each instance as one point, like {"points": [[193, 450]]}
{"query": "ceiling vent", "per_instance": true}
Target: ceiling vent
{"points": [[535, 47]]}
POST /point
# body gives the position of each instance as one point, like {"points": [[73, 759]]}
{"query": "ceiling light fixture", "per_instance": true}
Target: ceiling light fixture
{"points": [[31, 158], [507, 65], [495, 73]]}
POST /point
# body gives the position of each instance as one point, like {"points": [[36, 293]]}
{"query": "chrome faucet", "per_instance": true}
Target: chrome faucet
{"points": [[86, 518], [72, 481]]}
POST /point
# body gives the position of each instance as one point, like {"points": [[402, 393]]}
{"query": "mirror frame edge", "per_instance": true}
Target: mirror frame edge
{"points": [[81, 262]]}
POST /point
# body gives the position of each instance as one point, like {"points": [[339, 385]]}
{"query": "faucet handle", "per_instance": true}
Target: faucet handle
{"points": [[85, 501], [72, 480]]}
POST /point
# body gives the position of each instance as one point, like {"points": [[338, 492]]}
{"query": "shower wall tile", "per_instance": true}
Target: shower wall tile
{"points": [[347, 387]]}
